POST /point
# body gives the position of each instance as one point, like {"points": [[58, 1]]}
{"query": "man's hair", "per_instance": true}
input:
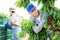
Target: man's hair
{"points": [[11, 8]]}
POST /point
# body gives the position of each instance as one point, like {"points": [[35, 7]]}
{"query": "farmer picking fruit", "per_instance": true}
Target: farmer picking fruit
{"points": [[38, 18]]}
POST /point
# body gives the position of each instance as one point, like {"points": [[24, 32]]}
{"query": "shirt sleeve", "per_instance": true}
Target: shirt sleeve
{"points": [[38, 28]]}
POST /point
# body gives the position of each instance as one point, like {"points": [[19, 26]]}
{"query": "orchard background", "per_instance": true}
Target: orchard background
{"points": [[53, 19], [52, 7]]}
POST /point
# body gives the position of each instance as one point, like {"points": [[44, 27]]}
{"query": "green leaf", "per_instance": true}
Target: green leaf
{"points": [[18, 3], [2, 15], [54, 23], [34, 0], [21, 34], [39, 2]]}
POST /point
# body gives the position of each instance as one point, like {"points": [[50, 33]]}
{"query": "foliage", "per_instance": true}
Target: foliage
{"points": [[53, 18], [55, 36], [22, 3], [27, 28], [2, 15]]}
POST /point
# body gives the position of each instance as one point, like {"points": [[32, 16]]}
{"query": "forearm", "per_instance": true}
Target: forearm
{"points": [[38, 28]]}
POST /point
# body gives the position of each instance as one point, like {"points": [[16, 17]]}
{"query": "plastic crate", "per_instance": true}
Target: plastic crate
{"points": [[3, 38], [3, 33], [1, 21], [9, 35]]}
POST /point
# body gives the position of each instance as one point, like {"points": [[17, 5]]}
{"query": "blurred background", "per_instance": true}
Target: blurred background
{"points": [[6, 34]]}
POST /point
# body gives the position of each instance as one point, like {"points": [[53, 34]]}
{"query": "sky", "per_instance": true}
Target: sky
{"points": [[6, 4]]}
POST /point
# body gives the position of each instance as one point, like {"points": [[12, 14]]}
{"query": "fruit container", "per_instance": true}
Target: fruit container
{"points": [[3, 33]]}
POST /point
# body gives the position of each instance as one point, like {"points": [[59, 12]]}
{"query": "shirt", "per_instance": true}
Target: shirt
{"points": [[38, 18], [38, 23], [15, 19]]}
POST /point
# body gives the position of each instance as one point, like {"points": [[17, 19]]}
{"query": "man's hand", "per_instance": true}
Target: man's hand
{"points": [[10, 23], [42, 22]]}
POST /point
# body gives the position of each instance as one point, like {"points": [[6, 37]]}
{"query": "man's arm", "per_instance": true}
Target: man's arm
{"points": [[38, 28]]}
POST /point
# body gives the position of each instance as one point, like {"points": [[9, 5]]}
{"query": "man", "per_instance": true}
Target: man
{"points": [[14, 23], [9, 24], [37, 17]]}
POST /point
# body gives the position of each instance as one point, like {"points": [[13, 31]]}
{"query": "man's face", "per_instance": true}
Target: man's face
{"points": [[11, 11], [34, 13]]}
